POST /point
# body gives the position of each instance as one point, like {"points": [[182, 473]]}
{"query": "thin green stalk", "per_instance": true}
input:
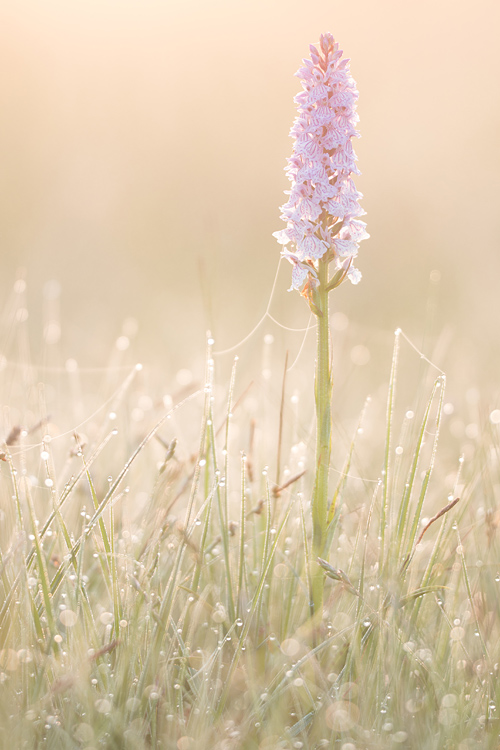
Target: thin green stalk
{"points": [[280, 431], [425, 483], [323, 398], [117, 605], [384, 514], [224, 531], [241, 562], [225, 517], [265, 556], [403, 520], [42, 573], [204, 452]]}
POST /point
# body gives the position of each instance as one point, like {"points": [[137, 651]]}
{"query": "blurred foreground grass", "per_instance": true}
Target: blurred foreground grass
{"points": [[153, 584]]}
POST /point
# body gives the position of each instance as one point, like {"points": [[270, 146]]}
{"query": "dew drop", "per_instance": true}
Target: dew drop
{"points": [[495, 416]]}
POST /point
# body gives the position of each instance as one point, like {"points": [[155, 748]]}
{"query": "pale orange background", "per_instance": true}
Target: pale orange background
{"points": [[142, 147]]}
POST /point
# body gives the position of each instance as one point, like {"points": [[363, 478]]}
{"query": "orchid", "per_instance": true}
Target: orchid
{"points": [[322, 210], [322, 227]]}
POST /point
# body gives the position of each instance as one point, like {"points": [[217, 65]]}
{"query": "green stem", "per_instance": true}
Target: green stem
{"points": [[323, 397]]}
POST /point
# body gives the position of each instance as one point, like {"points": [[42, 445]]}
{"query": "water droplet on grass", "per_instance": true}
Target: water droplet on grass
{"points": [[495, 416], [103, 706]]}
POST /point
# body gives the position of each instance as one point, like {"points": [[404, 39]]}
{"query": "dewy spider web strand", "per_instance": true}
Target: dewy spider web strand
{"points": [[114, 395], [121, 388], [306, 330], [421, 354], [266, 314]]}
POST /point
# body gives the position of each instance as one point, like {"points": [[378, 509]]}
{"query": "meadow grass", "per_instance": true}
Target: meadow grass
{"points": [[154, 575]]}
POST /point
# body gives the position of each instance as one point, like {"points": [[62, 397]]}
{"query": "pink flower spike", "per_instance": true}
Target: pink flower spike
{"points": [[320, 168]]}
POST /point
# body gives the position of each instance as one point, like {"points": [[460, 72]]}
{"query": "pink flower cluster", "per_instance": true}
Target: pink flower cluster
{"points": [[323, 204]]}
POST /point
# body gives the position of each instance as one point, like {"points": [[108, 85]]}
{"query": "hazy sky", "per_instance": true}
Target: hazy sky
{"points": [[142, 147]]}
